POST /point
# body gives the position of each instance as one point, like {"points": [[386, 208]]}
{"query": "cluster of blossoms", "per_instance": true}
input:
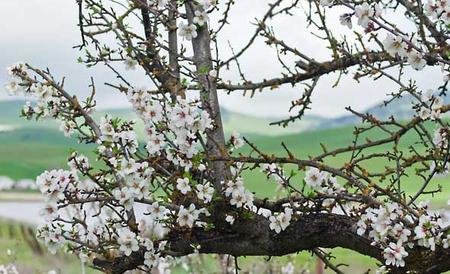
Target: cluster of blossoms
{"points": [[385, 224], [431, 107], [53, 185], [79, 162], [394, 45], [116, 135], [281, 221], [48, 100], [93, 224], [186, 119], [322, 182], [46, 95], [397, 46], [428, 231], [204, 192], [15, 84], [188, 216], [136, 177], [238, 194], [129, 242], [177, 125], [58, 188], [392, 227], [189, 31], [438, 10], [363, 12]]}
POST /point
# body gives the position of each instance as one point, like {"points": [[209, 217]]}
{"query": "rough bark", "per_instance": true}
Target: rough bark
{"points": [[215, 145], [252, 237]]}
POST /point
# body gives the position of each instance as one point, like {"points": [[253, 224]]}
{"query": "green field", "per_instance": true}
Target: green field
{"points": [[307, 144], [17, 246], [27, 151]]}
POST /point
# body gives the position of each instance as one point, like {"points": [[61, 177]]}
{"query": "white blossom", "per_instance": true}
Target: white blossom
{"points": [[205, 192], [12, 87], [236, 141], [188, 32], [128, 241], [394, 45], [314, 177], [151, 259], [156, 211], [200, 18], [281, 221], [125, 197], [230, 219], [395, 254], [364, 12], [187, 216], [183, 185], [415, 59]]}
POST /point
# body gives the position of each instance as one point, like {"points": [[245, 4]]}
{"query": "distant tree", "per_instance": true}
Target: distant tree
{"points": [[190, 176]]}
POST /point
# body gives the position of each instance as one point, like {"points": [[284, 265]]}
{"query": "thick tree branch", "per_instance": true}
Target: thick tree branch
{"points": [[252, 237]]}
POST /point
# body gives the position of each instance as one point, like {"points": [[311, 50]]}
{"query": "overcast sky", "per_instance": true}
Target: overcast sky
{"points": [[43, 32]]}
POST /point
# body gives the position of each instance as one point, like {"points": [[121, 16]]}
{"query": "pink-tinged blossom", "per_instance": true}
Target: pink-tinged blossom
{"points": [[395, 254]]}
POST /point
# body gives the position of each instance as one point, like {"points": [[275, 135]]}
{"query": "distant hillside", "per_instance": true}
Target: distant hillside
{"points": [[233, 121], [401, 109], [244, 124], [247, 124], [10, 116]]}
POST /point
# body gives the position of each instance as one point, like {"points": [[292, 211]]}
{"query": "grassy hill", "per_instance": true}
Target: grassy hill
{"points": [[26, 152], [307, 144]]}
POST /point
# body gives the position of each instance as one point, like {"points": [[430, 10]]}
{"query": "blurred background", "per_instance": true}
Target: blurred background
{"points": [[43, 32]]}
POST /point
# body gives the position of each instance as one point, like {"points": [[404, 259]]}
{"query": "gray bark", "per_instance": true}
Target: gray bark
{"points": [[203, 61]]}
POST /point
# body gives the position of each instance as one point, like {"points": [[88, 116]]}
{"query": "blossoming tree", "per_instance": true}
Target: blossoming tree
{"points": [[188, 176]]}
